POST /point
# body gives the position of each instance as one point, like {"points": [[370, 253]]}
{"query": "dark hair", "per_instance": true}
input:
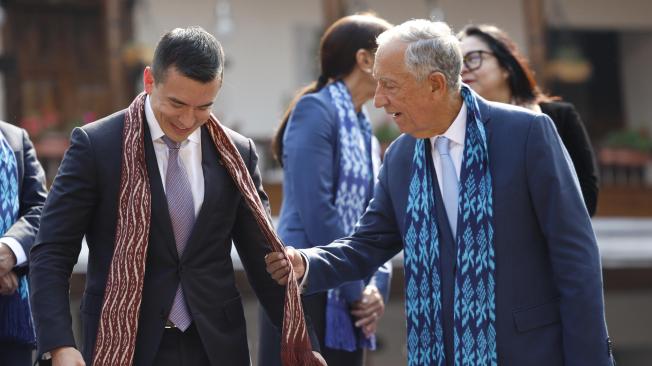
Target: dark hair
{"points": [[194, 52], [521, 80], [337, 58]]}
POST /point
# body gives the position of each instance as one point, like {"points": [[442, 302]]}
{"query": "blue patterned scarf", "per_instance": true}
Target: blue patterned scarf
{"points": [[474, 298], [15, 317], [354, 190]]}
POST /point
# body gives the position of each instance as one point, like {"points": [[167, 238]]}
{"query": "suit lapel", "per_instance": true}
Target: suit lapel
{"points": [[485, 116], [160, 214]]}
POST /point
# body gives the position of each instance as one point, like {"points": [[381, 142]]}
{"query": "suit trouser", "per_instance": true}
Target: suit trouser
{"points": [[179, 348], [15, 354]]}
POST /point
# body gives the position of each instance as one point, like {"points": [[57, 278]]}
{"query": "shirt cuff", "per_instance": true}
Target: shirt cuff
{"points": [[304, 279], [15, 247]]}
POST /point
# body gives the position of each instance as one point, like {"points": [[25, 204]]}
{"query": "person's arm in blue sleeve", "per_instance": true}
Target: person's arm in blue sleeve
{"points": [[375, 241], [381, 279], [310, 147]]}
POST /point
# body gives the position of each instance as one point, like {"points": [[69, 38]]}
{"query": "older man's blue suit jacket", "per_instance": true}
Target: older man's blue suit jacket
{"points": [[549, 300]]}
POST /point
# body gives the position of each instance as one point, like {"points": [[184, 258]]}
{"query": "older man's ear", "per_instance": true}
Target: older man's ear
{"points": [[437, 82]]}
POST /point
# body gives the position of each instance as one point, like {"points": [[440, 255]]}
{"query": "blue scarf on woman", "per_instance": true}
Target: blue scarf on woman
{"points": [[15, 317], [474, 297], [354, 190]]}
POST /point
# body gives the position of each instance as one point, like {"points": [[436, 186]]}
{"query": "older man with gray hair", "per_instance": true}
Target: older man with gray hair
{"points": [[501, 263]]}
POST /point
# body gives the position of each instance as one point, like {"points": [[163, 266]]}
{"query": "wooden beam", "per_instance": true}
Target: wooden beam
{"points": [[332, 11], [114, 37], [535, 28]]}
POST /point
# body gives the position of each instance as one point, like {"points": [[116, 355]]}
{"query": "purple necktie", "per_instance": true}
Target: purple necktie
{"points": [[182, 215]]}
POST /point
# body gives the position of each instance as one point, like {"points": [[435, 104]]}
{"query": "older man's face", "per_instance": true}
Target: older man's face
{"points": [[407, 100]]}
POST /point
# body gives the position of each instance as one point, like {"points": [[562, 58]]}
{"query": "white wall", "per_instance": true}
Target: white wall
{"points": [[636, 53], [506, 14], [268, 58], [265, 70], [261, 55], [265, 59]]}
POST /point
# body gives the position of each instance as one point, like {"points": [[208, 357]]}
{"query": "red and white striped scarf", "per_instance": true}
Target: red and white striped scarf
{"points": [[116, 335]]}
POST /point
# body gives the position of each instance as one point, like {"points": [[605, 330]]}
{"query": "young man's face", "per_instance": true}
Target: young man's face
{"points": [[180, 104]]}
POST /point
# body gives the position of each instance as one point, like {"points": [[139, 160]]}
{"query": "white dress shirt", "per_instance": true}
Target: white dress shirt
{"points": [[455, 134], [15, 247], [190, 154]]}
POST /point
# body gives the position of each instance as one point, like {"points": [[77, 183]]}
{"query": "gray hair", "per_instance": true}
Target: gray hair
{"points": [[432, 46]]}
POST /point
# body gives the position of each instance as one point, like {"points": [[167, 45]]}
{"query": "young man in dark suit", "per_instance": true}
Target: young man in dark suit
{"points": [[161, 214]]}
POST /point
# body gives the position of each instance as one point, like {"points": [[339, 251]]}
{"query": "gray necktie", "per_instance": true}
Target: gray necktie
{"points": [[182, 214], [449, 182]]}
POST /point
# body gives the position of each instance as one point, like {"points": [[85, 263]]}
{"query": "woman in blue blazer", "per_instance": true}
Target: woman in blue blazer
{"points": [[330, 159]]}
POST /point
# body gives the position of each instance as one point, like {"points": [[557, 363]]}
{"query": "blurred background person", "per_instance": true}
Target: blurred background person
{"points": [[496, 69], [22, 193], [330, 160]]}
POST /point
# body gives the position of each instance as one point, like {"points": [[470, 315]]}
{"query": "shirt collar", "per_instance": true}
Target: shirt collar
{"points": [[155, 129], [456, 132]]}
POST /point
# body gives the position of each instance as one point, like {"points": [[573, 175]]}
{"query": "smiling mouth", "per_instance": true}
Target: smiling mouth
{"points": [[396, 114], [180, 128]]}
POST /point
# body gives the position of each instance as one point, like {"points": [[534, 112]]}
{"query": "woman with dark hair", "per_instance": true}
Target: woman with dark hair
{"points": [[495, 69], [330, 159]]}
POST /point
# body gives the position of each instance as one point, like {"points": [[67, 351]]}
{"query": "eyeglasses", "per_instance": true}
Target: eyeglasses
{"points": [[473, 60]]}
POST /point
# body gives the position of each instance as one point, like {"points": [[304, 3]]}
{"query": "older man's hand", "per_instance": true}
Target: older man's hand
{"points": [[279, 268], [8, 283], [369, 310], [7, 259]]}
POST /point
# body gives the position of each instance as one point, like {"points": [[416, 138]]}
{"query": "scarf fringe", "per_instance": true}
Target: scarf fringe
{"points": [[339, 333], [302, 355], [16, 317]]}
